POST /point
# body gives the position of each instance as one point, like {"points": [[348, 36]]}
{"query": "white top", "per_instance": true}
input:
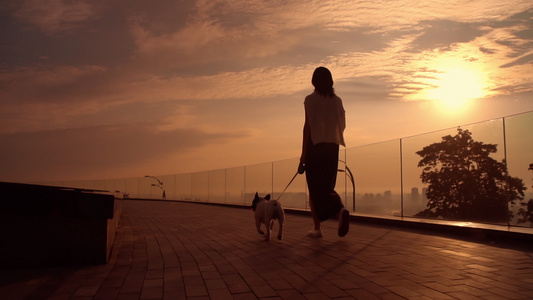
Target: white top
{"points": [[326, 118]]}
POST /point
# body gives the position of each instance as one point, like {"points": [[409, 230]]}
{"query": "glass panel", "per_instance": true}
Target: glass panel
{"points": [[296, 194], [145, 188], [152, 187], [346, 174], [99, 185], [414, 190], [235, 186], [217, 186], [169, 186], [342, 181], [258, 179], [120, 188], [519, 159], [71, 184], [132, 188], [415, 200], [491, 132], [89, 184], [376, 171], [184, 187], [200, 186], [369, 179], [55, 183], [109, 187]]}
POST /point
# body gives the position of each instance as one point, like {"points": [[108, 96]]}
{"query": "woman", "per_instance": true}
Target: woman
{"points": [[322, 135]]}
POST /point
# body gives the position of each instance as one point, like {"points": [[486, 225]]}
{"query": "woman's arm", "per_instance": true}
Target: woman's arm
{"points": [[306, 139]]}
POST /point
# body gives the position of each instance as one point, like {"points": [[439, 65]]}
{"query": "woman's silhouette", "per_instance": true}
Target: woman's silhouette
{"points": [[322, 135]]}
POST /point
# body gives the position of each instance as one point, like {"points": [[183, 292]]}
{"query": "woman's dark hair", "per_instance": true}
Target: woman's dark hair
{"points": [[323, 81]]}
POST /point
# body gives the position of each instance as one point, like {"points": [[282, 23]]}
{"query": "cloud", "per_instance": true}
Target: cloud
{"points": [[186, 40], [19, 81], [41, 98], [96, 72], [72, 152], [526, 59], [215, 37], [54, 16], [57, 97], [442, 34]]}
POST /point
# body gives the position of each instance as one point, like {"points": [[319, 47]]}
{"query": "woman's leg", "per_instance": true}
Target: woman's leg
{"points": [[316, 222]]}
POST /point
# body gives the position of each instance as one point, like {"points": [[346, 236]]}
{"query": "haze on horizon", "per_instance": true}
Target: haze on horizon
{"points": [[99, 89]]}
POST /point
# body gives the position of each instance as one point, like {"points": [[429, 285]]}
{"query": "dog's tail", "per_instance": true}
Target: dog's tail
{"points": [[280, 215], [276, 203]]}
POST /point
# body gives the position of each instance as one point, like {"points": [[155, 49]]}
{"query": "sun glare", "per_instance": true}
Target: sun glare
{"points": [[455, 88]]}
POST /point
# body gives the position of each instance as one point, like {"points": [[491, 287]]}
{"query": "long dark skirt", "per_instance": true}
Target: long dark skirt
{"points": [[322, 161]]}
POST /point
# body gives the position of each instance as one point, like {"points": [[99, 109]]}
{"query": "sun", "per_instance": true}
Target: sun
{"points": [[455, 88]]}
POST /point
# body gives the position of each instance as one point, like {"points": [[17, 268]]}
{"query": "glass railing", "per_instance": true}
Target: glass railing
{"points": [[386, 177]]}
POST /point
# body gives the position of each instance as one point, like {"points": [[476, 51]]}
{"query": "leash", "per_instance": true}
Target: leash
{"points": [[288, 184]]}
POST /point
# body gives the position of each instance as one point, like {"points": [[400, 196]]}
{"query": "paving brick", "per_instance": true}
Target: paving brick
{"points": [[441, 288], [472, 290], [362, 294], [107, 293], [279, 284], [152, 289], [433, 294], [154, 274], [504, 293], [236, 284], [133, 282], [245, 296], [374, 288], [403, 291], [215, 284], [316, 296], [194, 286], [220, 294], [331, 291], [175, 250], [290, 294], [173, 285]]}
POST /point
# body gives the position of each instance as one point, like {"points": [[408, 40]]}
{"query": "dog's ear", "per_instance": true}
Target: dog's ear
{"points": [[256, 195], [267, 197]]}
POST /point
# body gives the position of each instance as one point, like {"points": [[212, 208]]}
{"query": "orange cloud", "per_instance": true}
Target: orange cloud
{"points": [[54, 16]]}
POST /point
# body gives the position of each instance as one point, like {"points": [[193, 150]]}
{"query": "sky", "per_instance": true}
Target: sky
{"points": [[120, 89]]}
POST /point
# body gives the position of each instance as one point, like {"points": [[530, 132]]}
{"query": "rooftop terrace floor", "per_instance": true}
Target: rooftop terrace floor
{"points": [[177, 250]]}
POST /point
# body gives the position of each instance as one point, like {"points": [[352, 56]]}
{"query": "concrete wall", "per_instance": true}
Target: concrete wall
{"points": [[50, 226]]}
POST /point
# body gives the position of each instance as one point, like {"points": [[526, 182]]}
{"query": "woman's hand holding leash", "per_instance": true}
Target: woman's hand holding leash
{"points": [[301, 168]]}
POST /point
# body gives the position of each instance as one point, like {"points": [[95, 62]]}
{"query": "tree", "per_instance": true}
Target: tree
{"points": [[526, 211], [465, 183]]}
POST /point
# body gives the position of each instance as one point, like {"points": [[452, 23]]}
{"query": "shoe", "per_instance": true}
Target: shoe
{"points": [[344, 222], [315, 233]]}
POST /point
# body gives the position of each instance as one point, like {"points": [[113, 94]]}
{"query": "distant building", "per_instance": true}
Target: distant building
{"points": [[387, 195], [415, 196], [368, 196], [424, 194]]}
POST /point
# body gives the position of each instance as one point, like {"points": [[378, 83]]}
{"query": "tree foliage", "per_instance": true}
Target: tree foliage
{"points": [[465, 183], [526, 211]]}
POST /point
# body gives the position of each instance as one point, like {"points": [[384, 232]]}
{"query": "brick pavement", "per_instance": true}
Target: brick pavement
{"points": [[174, 250]]}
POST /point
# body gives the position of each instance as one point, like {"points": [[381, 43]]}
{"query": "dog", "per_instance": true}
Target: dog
{"points": [[266, 212]]}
